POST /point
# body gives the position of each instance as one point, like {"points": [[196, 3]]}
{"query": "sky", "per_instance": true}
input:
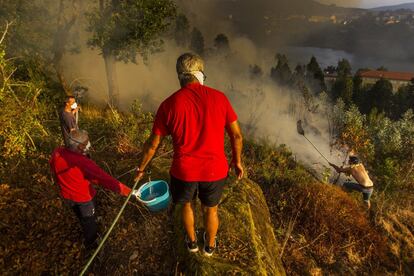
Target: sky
{"points": [[365, 3]]}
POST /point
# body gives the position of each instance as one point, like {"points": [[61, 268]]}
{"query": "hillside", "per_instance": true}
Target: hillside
{"points": [[280, 8], [318, 226], [267, 22], [278, 22], [288, 215], [406, 6], [274, 24]]}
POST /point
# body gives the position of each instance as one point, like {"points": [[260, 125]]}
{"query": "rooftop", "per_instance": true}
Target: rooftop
{"points": [[401, 76]]}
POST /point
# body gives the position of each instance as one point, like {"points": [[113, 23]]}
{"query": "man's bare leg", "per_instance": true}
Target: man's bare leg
{"points": [[211, 223], [188, 220]]}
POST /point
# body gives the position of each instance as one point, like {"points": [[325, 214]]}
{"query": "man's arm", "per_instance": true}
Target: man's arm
{"points": [[98, 176], [150, 147], [346, 170], [70, 121], [76, 110], [236, 140]]}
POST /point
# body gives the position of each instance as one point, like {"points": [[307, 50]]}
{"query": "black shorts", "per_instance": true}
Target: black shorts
{"points": [[209, 193]]}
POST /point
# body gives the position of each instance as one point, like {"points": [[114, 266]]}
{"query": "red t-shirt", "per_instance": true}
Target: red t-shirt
{"points": [[196, 117], [75, 174]]}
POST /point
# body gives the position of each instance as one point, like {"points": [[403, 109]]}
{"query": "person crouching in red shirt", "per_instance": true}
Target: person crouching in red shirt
{"points": [[197, 117], [75, 174]]}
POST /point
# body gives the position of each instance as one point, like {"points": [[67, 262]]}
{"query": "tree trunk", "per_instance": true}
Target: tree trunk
{"points": [[62, 79], [60, 40], [111, 76]]}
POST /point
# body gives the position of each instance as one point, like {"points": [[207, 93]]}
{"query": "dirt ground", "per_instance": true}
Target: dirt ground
{"points": [[40, 234]]}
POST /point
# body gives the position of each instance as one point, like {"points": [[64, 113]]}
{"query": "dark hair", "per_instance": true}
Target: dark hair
{"points": [[354, 160]]}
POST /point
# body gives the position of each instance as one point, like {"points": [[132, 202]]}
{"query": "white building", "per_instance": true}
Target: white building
{"points": [[397, 79]]}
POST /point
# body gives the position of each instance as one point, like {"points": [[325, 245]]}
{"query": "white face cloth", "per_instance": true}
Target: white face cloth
{"points": [[88, 146], [74, 105], [199, 76]]}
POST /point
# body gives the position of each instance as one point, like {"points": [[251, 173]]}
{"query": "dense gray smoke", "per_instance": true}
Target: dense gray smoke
{"points": [[265, 110]]}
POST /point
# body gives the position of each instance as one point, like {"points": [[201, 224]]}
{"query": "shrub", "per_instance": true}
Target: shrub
{"points": [[21, 112]]}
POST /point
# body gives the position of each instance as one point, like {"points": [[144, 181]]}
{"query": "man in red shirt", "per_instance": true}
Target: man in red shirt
{"points": [[75, 173], [196, 116]]}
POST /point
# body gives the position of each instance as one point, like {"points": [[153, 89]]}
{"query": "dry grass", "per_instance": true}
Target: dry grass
{"points": [[324, 229], [397, 224], [40, 234]]}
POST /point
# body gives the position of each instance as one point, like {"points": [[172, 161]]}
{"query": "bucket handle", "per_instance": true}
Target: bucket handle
{"points": [[139, 195], [145, 201]]}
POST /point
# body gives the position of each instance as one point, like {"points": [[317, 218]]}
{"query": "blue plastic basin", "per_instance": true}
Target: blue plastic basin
{"points": [[155, 195]]}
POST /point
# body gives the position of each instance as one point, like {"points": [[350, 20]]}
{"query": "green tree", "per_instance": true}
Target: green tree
{"points": [[404, 100], [122, 29], [281, 73], [68, 14], [315, 75], [21, 111], [197, 41], [381, 97], [349, 129], [299, 75], [344, 68], [221, 43], [359, 93], [182, 30], [41, 29], [343, 88]]}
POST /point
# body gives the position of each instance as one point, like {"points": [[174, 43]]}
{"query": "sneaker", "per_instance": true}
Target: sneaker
{"points": [[191, 245], [208, 250]]}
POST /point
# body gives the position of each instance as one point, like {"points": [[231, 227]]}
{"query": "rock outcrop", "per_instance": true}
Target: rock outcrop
{"points": [[246, 241]]}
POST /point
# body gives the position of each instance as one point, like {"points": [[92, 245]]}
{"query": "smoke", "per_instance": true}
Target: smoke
{"points": [[149, 83], [268, 111], [208, 15], [265, 110]]}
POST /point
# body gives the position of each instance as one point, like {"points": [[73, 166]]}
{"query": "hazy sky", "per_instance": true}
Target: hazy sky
{"points": [[365, 3]]}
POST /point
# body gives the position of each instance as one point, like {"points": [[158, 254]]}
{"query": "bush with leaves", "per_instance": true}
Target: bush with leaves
{"points": [[21, 112], [385, 145], [350, 129]]}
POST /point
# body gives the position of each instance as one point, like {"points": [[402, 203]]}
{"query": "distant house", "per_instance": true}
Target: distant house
{"points": [[397, 79], [370, 77]]}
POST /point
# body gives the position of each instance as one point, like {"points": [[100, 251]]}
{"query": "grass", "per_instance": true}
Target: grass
{"points": [[320, 228]]}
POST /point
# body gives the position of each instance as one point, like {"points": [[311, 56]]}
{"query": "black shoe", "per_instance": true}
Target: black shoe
{"points": [[93, 245], [208, 250], [191, 245]]}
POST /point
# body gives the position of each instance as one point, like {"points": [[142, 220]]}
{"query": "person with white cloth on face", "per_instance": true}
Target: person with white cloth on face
{"points": [[197, 118], [67, 117]]}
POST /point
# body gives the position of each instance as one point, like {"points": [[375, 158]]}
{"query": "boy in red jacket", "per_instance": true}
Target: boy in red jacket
{"points": [[75, 173]]}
